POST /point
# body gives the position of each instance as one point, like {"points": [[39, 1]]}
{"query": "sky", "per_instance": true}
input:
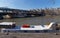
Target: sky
{"points": [[30, 4]]}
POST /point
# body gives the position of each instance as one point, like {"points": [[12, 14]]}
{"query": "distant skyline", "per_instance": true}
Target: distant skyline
{"points": [[30, 4]]}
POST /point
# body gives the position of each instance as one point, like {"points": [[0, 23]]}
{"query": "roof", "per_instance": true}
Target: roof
{"points": [[39, 27]]}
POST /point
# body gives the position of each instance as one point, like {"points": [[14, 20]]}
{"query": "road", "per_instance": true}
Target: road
{"points": [[29, 35]]}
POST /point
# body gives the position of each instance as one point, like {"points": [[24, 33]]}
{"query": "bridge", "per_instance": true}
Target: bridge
{"points": [[8, 12], [11, 12]]}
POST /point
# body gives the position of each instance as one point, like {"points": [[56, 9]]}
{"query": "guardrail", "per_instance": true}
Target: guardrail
{"points": [[32, 31]]}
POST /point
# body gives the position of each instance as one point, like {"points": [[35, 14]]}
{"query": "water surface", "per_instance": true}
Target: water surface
{"points": [[34, 20]]}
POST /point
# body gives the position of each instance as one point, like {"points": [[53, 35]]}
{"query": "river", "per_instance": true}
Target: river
{"points": [[33, 20]]}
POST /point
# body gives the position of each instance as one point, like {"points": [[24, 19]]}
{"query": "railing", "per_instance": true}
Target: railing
{"points": [[33, 31]]}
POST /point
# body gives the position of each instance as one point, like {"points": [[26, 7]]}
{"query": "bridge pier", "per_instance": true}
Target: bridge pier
{"points": [[1, 16], [6, 16]]}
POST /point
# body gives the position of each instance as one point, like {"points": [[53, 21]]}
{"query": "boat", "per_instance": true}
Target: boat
{"points": [[7, 25], [33, 28]]}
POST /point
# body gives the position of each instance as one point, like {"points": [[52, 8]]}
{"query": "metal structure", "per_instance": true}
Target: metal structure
{"points": [[18, 13], [11, 12]]}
